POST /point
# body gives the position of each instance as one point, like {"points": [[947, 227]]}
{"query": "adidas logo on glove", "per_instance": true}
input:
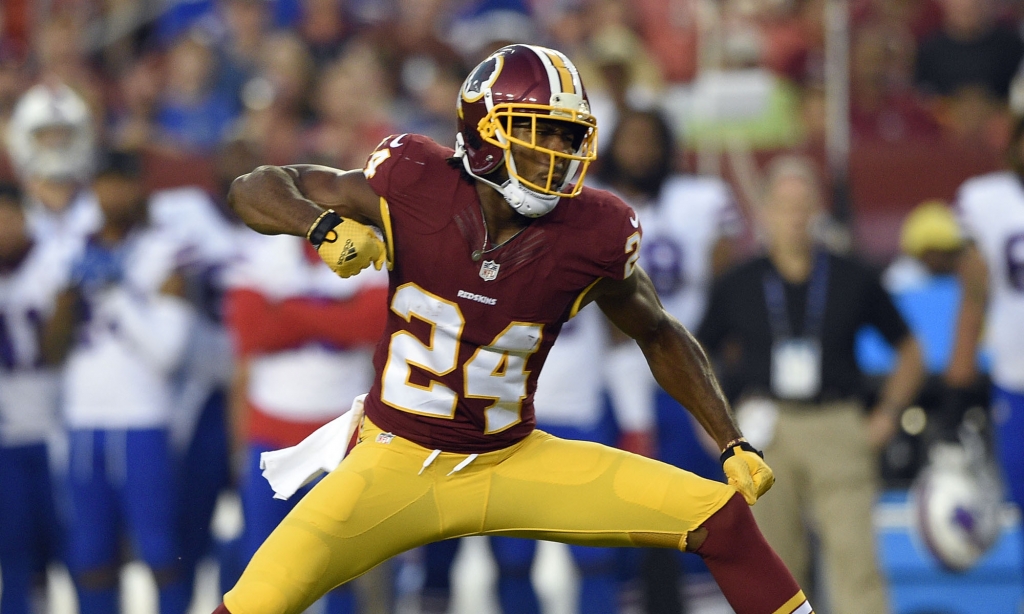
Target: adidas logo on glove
{"points": [[346, 245]]}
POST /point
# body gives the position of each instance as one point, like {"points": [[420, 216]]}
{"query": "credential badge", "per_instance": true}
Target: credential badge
{"points": [[489, 270]]}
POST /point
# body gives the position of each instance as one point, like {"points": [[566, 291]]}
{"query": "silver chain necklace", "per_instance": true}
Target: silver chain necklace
{"points": [[479, 253]]}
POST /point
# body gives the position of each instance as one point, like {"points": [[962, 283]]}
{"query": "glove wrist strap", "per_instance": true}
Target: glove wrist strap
{"points": [[323, 225], [730, 449]]}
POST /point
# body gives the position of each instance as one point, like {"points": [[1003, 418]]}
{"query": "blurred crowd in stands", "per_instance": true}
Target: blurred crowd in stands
{"points": [[324, 80]]}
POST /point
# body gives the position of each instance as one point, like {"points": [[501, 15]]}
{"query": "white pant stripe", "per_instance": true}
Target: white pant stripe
{"points": [[805, 608]]}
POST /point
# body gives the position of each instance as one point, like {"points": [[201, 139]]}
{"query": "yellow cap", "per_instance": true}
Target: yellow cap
{"points": [[930, 225]]}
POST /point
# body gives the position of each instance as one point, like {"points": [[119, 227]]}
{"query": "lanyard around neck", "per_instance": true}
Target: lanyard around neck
{"points": [[817, 293]]}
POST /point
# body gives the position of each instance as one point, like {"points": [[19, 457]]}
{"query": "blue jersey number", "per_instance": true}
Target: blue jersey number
{"points": [[9, 358], [1015, 261], [663, 261]]}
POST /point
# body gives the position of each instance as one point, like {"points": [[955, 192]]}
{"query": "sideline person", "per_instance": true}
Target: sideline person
{"points": [[793, 315]]}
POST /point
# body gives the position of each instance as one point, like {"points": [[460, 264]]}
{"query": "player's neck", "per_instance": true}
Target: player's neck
{"points": [[54, 196], [114, 233], [793, 262], [501, 221]]}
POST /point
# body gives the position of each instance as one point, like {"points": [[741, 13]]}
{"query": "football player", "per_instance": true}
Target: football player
{"points": [[198, 425], [304, 342], [127, 331], [31, 275], [991, 212], [51, 143], [491, 248]]}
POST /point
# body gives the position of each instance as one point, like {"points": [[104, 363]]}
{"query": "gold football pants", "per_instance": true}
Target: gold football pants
{"points": [[386, 498]]}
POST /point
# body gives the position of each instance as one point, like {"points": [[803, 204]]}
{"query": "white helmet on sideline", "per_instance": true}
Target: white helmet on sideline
{"points": [[957, 501], [50, 135]]}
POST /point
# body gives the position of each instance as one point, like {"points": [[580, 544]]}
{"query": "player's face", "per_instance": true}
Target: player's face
{"points": [[638, 150], [55, 138], [120, 198], [790, 209], [14, 239], [551, 134]]}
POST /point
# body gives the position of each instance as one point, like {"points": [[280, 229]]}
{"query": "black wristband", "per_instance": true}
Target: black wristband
{"points": [[742, 445], [324, 224]]}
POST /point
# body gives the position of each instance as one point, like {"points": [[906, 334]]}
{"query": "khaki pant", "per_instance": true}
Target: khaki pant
{"points": [[825, 477]]}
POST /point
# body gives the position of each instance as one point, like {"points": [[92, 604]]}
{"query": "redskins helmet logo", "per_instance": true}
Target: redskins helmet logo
{"points": [[482, 78]]}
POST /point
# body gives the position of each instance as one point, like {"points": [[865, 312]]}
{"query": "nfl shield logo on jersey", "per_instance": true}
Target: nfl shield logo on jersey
{"points": [[489, 270]]}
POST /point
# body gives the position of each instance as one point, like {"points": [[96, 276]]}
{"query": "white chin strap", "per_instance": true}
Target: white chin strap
{"points": [[522, 199]]}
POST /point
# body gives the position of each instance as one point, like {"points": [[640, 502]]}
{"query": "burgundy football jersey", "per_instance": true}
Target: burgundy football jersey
{"points": [[465, 340]]}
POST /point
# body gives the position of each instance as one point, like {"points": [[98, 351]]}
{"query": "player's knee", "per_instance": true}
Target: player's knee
{"points": [[730, 527], [97, 578]]}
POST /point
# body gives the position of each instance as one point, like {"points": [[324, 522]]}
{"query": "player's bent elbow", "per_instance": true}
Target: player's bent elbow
{"points": [[243, 187]]}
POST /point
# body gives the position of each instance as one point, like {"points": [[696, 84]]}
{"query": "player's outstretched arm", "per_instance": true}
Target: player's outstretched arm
{"points": [[898, 392], [59, 331], [681, 367], [973, 273], [290, 199]]}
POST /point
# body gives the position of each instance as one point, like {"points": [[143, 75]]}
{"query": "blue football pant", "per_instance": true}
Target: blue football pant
{"points": [[30, 535]]}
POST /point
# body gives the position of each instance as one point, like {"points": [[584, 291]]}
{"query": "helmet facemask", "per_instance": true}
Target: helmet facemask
{"points": [[497, 128]]}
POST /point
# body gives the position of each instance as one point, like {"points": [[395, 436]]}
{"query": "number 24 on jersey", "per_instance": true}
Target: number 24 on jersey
{"points": [[496, 371]]}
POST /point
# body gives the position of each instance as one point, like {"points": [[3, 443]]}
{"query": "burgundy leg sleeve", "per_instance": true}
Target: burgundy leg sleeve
{"points": [[752, 577], [221, 609]]}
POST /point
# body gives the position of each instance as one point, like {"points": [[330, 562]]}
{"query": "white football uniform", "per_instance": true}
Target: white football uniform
{"points": [[133, 339], [206, 252], [28, 389], [991, 211], [81, 218], [681, 229], [572, 381], [308, 383]]}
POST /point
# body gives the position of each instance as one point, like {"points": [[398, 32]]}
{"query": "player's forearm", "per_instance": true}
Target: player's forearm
{"points": [[970, 320], [158, 328], [359, 320], [904, 383], [962, 363], [257, 325], [681, 367], [269, 202], [59, 331]]}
